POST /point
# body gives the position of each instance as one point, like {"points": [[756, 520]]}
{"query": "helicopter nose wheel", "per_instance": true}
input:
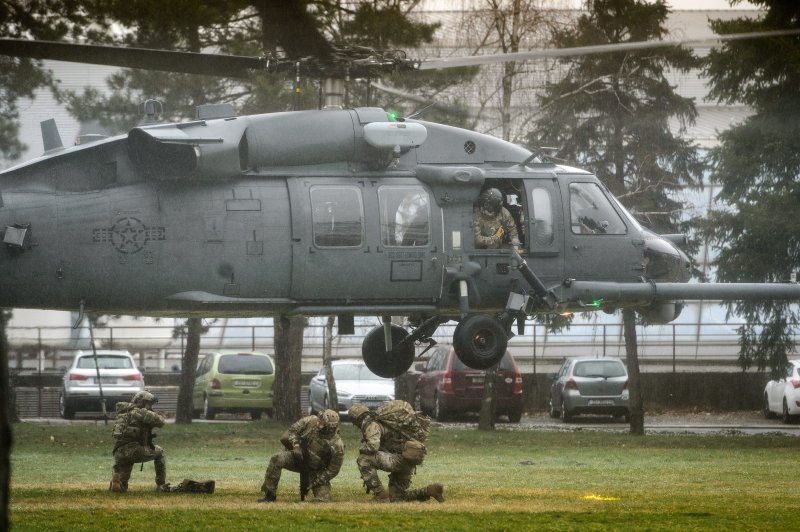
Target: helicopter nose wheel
{"points": [[480, 341], [387, 363]]}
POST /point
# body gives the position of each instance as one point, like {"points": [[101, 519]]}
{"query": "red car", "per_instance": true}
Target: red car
{"points": [[446, 386]]}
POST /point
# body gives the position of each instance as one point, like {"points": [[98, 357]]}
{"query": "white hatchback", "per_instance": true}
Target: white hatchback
{"points": [[119, 377], [782, 396]]}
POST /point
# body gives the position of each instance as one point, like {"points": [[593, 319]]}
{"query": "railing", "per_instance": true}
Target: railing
{"points": [[49, 349]]}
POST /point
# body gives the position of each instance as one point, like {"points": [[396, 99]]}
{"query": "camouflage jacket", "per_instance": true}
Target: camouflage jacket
{"points": [[485, 227], [323, 452], [134, 424]]}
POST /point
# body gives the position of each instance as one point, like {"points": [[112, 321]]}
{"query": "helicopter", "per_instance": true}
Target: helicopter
{"points": [[339, 211]]}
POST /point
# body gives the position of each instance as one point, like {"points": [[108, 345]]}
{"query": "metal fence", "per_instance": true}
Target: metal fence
{"points": [[159, 348]]}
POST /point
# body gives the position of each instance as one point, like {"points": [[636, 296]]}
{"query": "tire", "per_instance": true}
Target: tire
{"points": [[566, 416], [439, 413], [208, 412], [554, 414], [65, 407], [387, 364], [768, 414], [515, 415], [480, 341], [785, 417], [418, 402], [255, 415]]}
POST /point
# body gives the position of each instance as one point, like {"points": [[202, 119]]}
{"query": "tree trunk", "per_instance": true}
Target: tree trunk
{"points": [[5, 426], [327, 358], [194, 328], [634, 380], [487, 413], [288, 352]]}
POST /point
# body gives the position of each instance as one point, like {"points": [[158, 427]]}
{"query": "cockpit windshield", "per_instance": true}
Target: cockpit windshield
{"points": [[591, 212]]}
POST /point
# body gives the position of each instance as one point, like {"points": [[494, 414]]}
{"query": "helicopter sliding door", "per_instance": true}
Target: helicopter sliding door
{"points": [[369, 241]]}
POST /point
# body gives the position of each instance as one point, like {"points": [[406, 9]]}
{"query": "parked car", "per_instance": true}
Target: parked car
{"points": [[120, 379], [355, 383], [234, 382], [447, 386], [590, 386], [782, 396]]}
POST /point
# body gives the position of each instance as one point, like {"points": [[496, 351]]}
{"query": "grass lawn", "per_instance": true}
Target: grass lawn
{"points": [[502, 480]]}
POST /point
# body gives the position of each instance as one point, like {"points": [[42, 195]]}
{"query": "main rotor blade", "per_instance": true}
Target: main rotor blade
{"points": [[206, 64], [453, 62]]}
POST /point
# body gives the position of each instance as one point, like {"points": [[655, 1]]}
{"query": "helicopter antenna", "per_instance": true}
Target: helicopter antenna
{"points": [[422, 111]]}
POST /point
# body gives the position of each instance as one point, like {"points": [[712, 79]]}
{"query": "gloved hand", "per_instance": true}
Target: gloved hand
{"points": [[499, 233]]}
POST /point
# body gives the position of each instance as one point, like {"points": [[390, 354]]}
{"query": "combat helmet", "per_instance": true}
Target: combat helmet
{"points": [[142, 397], [490, 201], [357, 413], [330, 421]]}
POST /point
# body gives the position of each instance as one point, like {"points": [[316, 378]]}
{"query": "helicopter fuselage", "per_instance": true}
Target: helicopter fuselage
{"points": [[227, 221]]}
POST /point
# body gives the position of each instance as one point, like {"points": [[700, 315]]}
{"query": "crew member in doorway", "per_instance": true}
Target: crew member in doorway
{"points": [[494, 226]]}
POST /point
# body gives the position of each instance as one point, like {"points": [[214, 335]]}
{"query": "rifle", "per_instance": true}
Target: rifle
{"points": [[305, 480]]}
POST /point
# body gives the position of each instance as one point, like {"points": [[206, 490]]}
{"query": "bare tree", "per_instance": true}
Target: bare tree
{"points": [[327, 359], [288, 352], [194, 330]]}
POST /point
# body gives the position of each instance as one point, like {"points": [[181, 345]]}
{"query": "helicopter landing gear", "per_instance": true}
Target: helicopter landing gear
{"points": [[387, 362], [480, 341]]}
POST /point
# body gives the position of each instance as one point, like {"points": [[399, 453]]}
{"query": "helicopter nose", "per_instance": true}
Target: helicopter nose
{"points": [[664, 262]]}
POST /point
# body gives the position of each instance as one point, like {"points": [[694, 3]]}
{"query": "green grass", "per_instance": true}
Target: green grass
{"points": [[502, 480]]}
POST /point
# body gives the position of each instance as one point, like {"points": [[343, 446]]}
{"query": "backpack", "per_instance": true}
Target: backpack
{"points": [[400, 417]]}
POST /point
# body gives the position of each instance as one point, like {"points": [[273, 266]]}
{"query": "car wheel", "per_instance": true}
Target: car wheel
{"points": [[439, 413], [767, 412], [208, 412], [255, 415], [515, 415], [565, 415], [417, 402], [554, 414], [785, 417], [65, 408]]}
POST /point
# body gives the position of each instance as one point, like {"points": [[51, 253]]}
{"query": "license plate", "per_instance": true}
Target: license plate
{"points": [[477, 379], [246, 383], [108, 380], [601, 402]]}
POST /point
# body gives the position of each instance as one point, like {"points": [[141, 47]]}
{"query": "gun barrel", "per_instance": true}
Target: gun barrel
{"points": [[633, 293]]}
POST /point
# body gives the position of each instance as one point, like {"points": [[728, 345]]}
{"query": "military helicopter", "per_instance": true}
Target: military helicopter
{"points": [[344, 212]]}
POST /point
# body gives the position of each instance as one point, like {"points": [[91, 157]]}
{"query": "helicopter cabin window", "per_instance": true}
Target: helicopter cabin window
{"points": [[405, 216], [591, 212], [337, 216], [541, 209]]}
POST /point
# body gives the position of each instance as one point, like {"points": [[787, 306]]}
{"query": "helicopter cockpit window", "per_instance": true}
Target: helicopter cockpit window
{"points": [[591, 212], [541, 217], [338, 216], [405, 216]]}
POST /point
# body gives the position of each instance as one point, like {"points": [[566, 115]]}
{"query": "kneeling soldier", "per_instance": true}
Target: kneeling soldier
{"points": [[315, 450], [133, 432]]}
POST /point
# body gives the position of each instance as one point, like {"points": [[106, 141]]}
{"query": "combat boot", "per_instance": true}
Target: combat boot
{"points": [[269, 496], [436, 491], [116, 485], [381, 496], [163, 488]]}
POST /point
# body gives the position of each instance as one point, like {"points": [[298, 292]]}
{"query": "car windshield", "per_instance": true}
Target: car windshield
{"points": [[599, 368], [353, 372], [245, 365], [505, 363], [105, 362]]}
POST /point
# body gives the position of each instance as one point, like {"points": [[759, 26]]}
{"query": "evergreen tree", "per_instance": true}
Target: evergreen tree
{"points": [[757, 164], [611, 114]]}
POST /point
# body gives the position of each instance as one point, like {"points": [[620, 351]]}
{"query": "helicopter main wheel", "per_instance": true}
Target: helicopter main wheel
{"points": [[480, 341], [387, 364]]}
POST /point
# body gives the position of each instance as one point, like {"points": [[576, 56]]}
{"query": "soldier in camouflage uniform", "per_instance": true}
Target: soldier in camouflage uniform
{"points": [[381, 448], [312, 442], [492, 223], [132, 434]]}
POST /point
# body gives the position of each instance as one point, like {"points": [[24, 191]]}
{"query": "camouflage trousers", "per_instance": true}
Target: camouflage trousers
{"points": [[286, 460], [126, 456], [400, 472]]}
